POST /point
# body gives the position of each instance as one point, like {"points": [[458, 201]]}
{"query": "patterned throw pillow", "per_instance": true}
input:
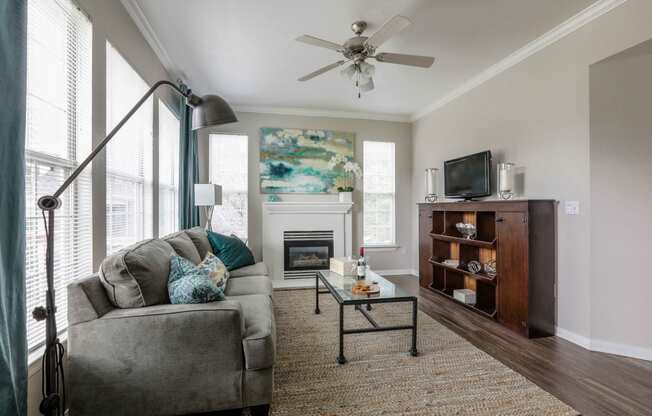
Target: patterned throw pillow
{"points": [[188, 283], [215, 269]]}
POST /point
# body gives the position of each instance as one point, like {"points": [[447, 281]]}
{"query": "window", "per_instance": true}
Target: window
{"points": [[228, 167], [58, 137], [168, 170], [379, 194], [129, 171]]}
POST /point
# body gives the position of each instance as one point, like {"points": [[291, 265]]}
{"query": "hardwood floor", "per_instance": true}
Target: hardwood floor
{"points": [[593, 383]]}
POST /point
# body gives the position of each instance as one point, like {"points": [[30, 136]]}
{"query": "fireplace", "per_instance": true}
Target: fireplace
{"points": [[305, 252]]}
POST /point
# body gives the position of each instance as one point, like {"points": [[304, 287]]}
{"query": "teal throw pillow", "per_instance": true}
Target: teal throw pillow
{"points": [[188, 283], [233, 252]]}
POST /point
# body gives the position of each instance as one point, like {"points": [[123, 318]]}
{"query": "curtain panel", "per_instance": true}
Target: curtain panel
{"points": [[13, 339], [188, 171]]}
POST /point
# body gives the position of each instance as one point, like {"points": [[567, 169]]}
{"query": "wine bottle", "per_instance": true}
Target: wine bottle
{"points": [[362, 265]]}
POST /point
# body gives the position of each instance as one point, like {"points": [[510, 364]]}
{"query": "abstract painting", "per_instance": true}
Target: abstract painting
{"points": [[296, 160]]}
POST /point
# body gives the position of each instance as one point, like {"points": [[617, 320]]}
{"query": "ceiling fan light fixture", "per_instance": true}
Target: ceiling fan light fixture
{"points": [[360, 48], [349, 71]]}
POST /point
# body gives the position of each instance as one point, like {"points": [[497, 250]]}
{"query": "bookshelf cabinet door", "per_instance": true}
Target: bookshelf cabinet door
{"points": [[512, 263], [425, 247]]}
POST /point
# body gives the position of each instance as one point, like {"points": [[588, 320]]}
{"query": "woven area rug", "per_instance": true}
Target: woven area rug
{"points": [[449, 377]]}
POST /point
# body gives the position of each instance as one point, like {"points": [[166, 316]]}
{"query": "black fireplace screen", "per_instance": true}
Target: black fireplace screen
{"points": [[308, 254]]}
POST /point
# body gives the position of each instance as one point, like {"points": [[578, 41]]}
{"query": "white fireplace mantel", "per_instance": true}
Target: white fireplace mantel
{"points": [[279, 217], [275, 208]]}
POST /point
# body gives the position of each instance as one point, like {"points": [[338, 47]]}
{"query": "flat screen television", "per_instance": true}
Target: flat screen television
{"points": [[469, 176]]}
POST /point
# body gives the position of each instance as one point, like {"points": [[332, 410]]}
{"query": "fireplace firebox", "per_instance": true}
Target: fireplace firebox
{"points": [[305, 252]]}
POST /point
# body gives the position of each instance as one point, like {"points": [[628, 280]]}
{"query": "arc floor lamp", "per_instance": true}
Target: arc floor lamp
{"points": [[208, 110]]}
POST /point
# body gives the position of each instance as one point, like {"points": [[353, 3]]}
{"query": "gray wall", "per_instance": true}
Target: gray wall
{"points": [[110, 22], [250, 123], [536, 114], [621, 197]]}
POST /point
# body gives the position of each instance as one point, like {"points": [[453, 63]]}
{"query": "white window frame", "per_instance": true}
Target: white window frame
{"points": [[225, 186], [72, 225], [163, 187], [378, 245], [145, 187]]}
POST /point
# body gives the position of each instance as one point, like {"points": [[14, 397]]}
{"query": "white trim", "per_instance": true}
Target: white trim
{"points": [[622, 349], [381, 247], [587, 15], [577, 339], [292, 111], [308, 207], [394, 272], [139, 18], [605, 346]]}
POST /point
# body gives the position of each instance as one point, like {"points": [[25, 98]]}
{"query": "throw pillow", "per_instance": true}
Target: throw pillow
{"points": [[215, 269], [188, 283], [231, 250]]}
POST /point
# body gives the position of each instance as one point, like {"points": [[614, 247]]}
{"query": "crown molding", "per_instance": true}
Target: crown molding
{"points": [[138, 16], [582, 18], [291, 111]]}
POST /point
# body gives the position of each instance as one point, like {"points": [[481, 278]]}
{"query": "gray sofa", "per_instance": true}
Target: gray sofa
{"points": [[131, 352]]}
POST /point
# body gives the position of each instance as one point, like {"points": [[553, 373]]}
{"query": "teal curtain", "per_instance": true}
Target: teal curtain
{"points": [[13, 339], [188, 171]]}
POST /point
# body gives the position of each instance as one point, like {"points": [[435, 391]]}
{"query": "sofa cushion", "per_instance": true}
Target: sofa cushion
{"points": [[258, 269], [260, 331], [249, 285], [183, 245], [198, 236], [189, 283], [137, 276], [231, 250]]}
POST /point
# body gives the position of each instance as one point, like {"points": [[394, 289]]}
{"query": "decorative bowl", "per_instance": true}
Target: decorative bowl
{"points": [[467, 230]]}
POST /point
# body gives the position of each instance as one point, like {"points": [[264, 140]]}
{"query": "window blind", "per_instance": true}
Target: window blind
{"points": [[58, 137], [228, 167], [129, 171], [379, 218], [168, 167]]}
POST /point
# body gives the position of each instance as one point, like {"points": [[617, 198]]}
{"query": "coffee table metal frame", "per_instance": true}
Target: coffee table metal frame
{"points": [[358, 303]]}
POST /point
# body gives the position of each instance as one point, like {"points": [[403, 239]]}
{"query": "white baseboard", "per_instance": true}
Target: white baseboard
{"points": [[597, 345], [622, 349], [577, 339], [394, 272]]}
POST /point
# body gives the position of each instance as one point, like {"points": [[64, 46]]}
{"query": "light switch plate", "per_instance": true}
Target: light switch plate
{"points": [[572, 207]]}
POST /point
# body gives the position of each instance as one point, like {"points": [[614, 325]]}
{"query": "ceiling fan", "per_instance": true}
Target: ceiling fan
{"points": [[360, 48]]}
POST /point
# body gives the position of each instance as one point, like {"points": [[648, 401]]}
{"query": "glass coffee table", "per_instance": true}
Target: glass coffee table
{"points": [[340, 288]]}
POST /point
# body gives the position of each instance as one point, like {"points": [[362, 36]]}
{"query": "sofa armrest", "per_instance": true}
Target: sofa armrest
{"points": [[158, 357]]}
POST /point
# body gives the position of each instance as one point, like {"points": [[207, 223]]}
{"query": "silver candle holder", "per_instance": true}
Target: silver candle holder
{"points": [[431, 184], [506, 180]]}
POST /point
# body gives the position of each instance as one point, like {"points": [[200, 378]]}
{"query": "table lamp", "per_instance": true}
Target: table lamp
{"points": [[207, 195]]}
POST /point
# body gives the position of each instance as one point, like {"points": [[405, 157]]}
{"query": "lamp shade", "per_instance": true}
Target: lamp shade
{"points": [[208, 194], [212, 110]]}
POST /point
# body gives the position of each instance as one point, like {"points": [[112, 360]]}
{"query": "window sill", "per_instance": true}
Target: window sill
{"points": [[382, 247]]}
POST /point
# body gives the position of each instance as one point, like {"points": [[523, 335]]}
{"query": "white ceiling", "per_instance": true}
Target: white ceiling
{"points": [[244, 50]]}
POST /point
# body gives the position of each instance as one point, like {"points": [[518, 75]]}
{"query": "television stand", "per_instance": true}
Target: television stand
{"points": [[519, 236]]}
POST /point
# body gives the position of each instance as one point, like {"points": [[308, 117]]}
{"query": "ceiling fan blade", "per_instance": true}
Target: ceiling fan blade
{"points": [[368, 86], [311, 40], [321, 71], [402, 59], [392, 27]]}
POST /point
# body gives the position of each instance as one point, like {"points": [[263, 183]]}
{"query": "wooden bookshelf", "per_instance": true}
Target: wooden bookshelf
{"points": [[520, 236]]}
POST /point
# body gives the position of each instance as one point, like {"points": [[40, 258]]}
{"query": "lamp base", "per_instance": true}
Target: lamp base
{"points": [[208, 214]]}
